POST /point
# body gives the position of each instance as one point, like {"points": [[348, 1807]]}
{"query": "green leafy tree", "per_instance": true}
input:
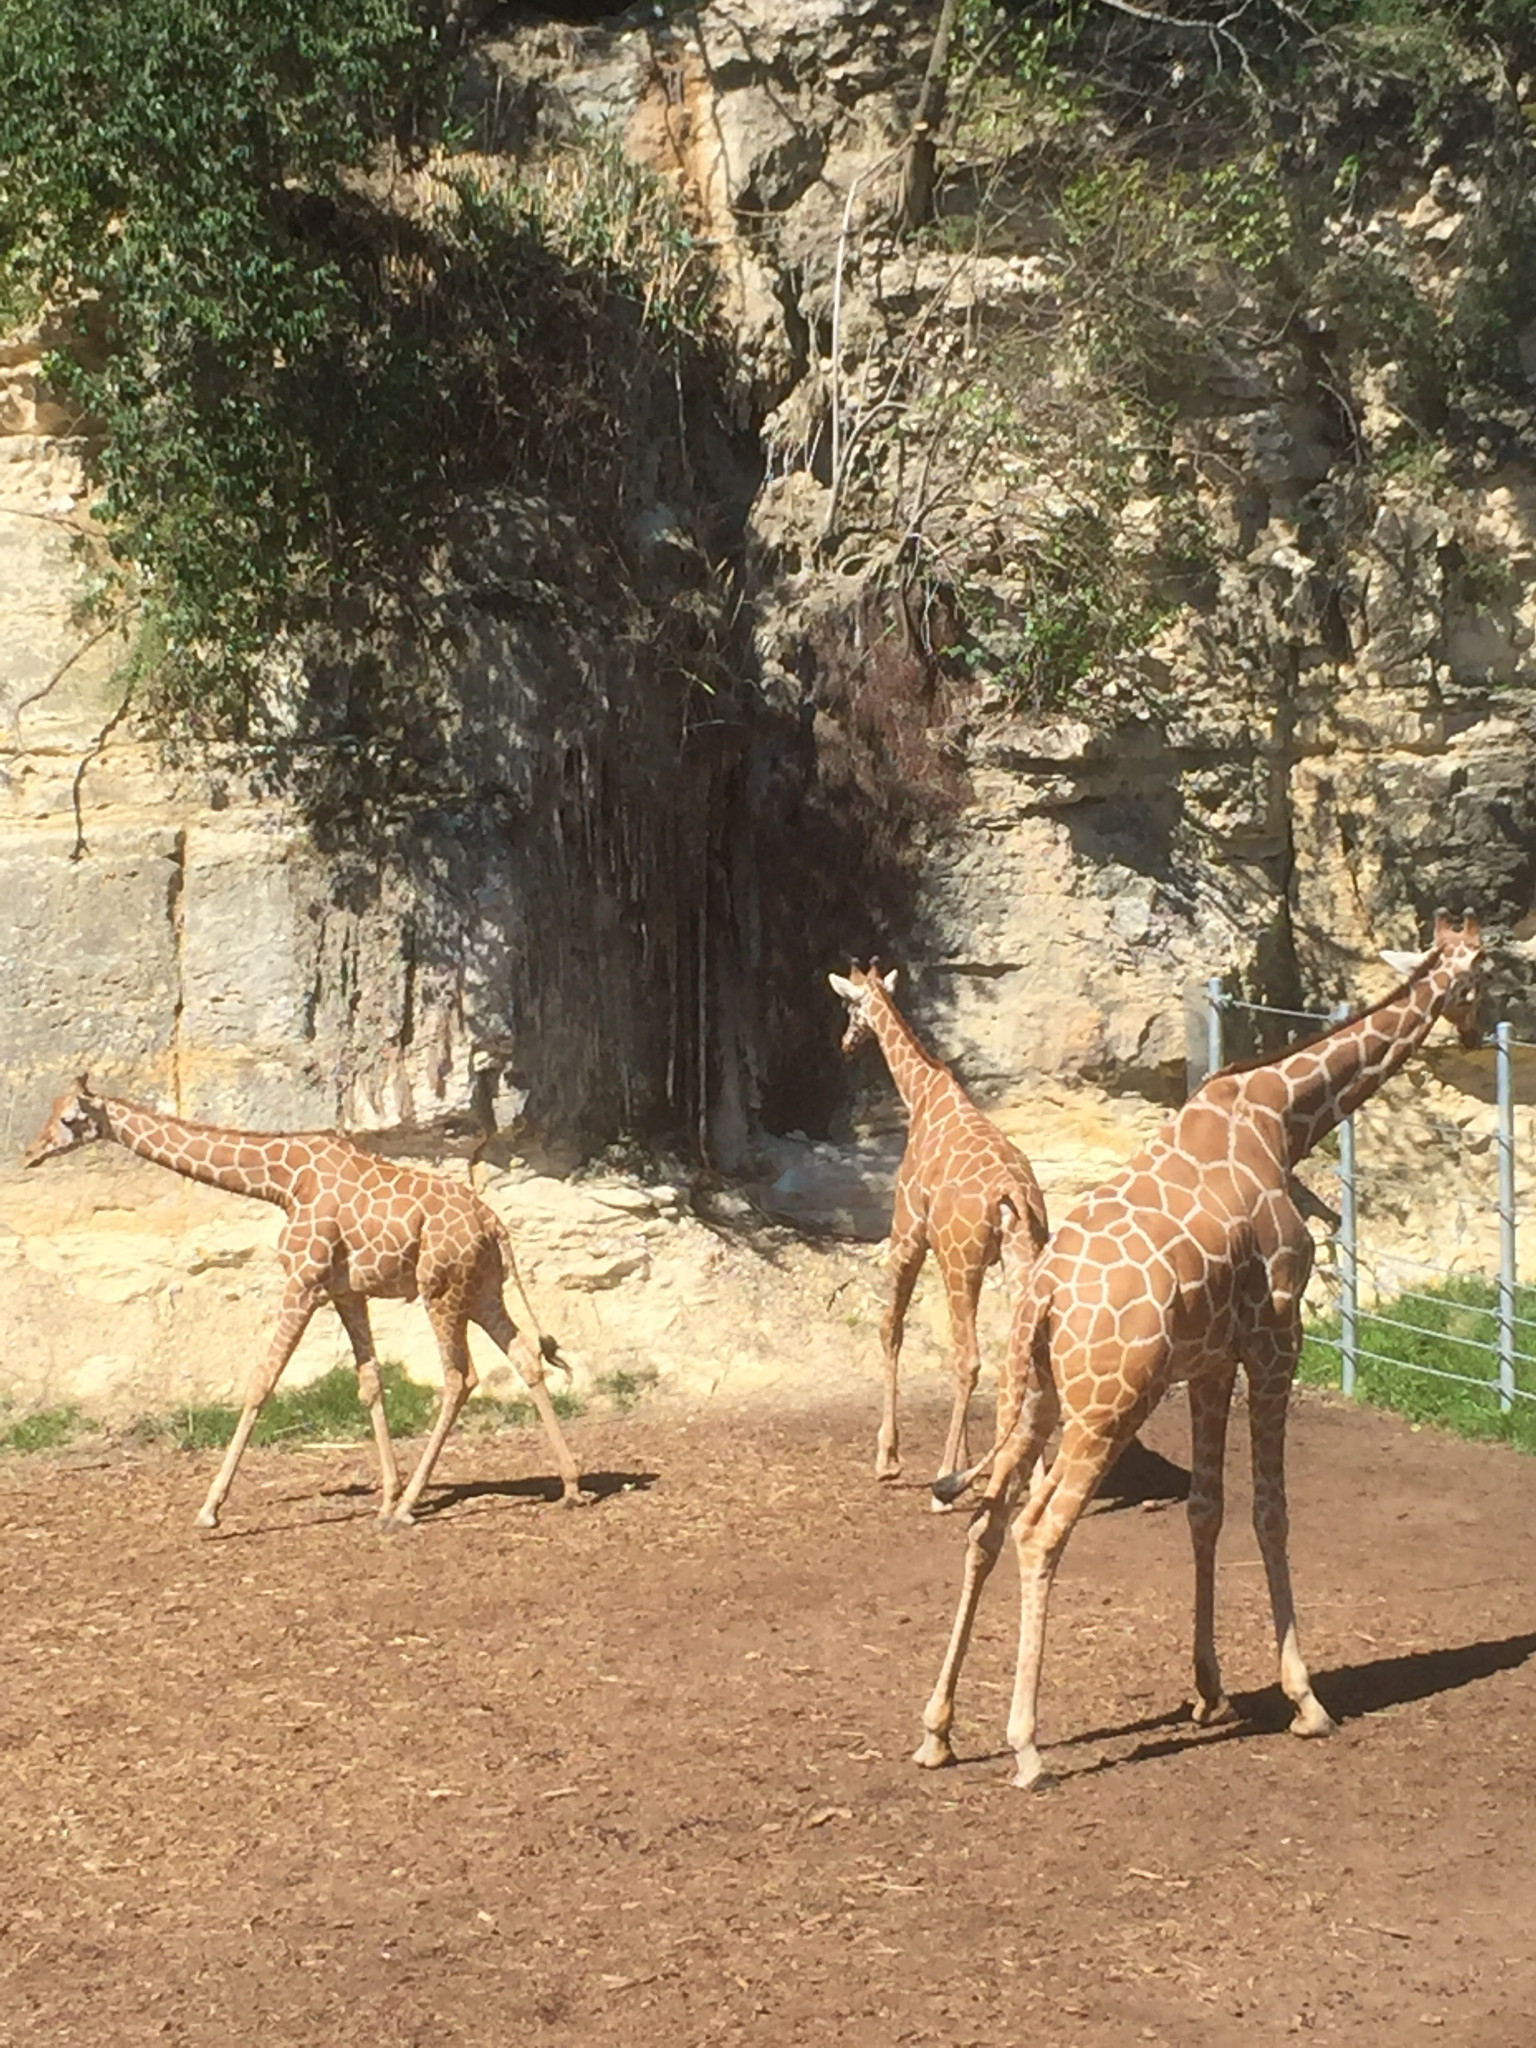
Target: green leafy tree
{"points": [[186, 182]]}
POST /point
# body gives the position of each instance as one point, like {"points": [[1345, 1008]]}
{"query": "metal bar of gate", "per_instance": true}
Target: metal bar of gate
{"points": [[1349, 1258], [1216, 996], [1503, 1041]]}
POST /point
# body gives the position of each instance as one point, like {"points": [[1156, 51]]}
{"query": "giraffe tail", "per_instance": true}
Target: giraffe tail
{"points": [[549, 1347], [950, 1485], [1023, 1202], [1028, 1345]]}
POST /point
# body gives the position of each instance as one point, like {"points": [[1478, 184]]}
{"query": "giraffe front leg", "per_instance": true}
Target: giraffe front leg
{"points": [[1268, 1396], [299, 1304]]}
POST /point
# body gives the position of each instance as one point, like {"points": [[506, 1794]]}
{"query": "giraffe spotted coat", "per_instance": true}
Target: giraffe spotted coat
{"points": [[962, 1191], [1189, 1262], [359, 1228]]}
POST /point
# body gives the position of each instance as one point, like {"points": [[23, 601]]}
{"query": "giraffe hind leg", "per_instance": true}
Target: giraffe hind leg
{"points": [[962, 1281], [907, 1254], [1210, 1403], [1027, 1426], [1269, 1387], [528, 1362], [451, 1325], [1041, 1532]]}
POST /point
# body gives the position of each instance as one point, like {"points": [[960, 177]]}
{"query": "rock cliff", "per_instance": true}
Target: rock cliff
{"points": [[1324, 725]]}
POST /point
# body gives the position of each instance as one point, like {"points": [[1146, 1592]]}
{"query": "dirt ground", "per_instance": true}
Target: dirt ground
{"points": [[638, 1773]]}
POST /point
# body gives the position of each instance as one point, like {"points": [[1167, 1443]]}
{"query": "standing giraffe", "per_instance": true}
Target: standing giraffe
{"points": [[359, 1227], [961, 1188], [1192, 1259]]}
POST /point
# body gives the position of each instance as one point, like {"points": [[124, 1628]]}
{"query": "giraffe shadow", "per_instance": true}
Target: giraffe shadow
{"points": [[1141, 1478], [1349, 1691], [600, 1485]]}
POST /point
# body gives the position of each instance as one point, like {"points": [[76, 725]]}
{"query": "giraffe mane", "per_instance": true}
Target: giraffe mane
{"points": [[1318, 1037]]}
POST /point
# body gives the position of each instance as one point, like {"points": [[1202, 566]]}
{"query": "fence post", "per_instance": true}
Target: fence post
{"points": [[1215, 1052], [1503, 1059], [1349, 1265]]}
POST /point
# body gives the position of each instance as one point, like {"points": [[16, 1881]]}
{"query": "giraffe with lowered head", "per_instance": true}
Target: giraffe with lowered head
{"points": [[1193, 1259], [961, 1189], [359, 1228]]}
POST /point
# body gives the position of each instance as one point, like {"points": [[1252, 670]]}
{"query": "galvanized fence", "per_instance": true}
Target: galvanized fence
{"points": [[1369, 1272]]}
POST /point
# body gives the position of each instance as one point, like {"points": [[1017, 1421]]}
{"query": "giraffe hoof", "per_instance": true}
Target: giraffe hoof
{"points": [[1312, 1719], [577, 1497], [933, 1753], [208, 1519], [1207, 1713], [392, 1523], [941, 1507], [1031, 1775]]}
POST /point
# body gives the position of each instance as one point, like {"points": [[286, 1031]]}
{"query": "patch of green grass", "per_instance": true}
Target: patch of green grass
{"points": [[486, 1416], [49, 1429], [1406, 1342], [329, 1411], [624, 1388]]}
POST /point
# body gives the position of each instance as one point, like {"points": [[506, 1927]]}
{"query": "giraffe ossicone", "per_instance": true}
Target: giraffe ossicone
{"points": [[962, 1190], [358, 1228], [1190, 1261]]}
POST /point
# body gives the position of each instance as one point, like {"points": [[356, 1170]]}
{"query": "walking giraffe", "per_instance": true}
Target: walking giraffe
{"points": [[961, 1189], [359, 1228], [1192, 1259]]}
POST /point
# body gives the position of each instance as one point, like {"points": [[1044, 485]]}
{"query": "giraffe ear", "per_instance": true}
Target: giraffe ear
{"points": [[844, 988], [1402, 963], [890, 980]]}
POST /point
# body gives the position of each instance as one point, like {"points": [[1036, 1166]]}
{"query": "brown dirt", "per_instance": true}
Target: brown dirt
{"points": [[639, 1773]]}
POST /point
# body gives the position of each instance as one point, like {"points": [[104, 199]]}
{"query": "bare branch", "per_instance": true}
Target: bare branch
{"points": [[63, 670], [96, 747]]}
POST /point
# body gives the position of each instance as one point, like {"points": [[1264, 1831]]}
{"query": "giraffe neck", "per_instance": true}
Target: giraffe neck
{"points": [[1328, 1081], [244, 1163], [912, 1065]]}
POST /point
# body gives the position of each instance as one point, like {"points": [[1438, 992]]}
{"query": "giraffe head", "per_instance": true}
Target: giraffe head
{"points": [[858, 990], [76, 1118], [1459, 954]]}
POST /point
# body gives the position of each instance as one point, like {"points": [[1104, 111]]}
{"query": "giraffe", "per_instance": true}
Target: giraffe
{"points": [[961, 1189], [359, 1228], [1191, 1260]]}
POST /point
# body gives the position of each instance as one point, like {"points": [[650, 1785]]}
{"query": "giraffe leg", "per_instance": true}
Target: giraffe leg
{"points": [[353, 1310], [300, 1301], [1026, 1435], [1269, 1389], [907, 1252], [962, 1281], [1040, 1535], [452, 1327], [528, 1361], [1210, 1402]]}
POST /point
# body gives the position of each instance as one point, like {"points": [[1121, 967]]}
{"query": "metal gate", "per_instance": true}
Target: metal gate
{"points": [[1375, 1287]]}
